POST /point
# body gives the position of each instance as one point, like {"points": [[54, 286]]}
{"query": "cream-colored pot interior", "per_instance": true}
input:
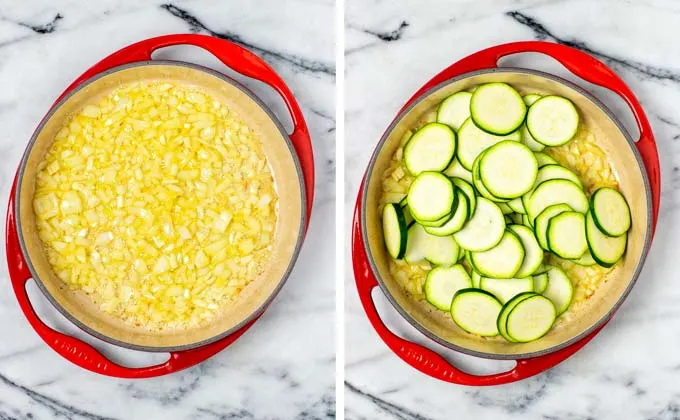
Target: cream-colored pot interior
{"points": [[287, 176], [633, 183]]}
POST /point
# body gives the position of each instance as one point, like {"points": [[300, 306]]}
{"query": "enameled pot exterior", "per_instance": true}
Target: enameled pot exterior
{"points": [[137, 54], [365, 273]]}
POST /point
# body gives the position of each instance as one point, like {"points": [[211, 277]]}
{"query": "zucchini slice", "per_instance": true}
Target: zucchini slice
{"points": [[606, 250], [533, 254], [542, 221], [456, 170], [560, 290], [555, 191], [416, 243], [441, 250], [476, 279], [456, 222], [508, 169], [540, 282], [516, 218], [517, 206], [497, 108], [586, 259], [552, 120], [506, 289], [526, 222], [442, 283], [438, 222], [431, 197], [505, 208], [529, 141], [531, 98], [394, 230], [431, 148], [481, 189], [610, 211], [476, 311], [567, 235], [502, 261], [544, 159], [472, 141], [469, 191], [484, 230], [553, 171], [505, 311], [530, 319], [454, 110]]}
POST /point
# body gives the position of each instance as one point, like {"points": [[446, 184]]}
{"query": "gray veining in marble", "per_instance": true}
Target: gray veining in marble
{"points": [[283, 368], [629, 371]]}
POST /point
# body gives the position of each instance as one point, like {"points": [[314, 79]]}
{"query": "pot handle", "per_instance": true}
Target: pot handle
{"points": [[583, 66], [77, 351], [238, 59], [424, 359]]}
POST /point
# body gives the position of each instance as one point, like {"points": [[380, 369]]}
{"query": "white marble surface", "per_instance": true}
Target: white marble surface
{"points": [[631, 370], [283, 368]]}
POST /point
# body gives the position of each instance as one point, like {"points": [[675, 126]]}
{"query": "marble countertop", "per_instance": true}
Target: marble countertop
{"points": [[283, 368], [631, 369]]}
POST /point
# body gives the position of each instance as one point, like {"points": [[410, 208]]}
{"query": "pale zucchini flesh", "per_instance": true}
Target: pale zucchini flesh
{"points": [[456, 170], [556, 191], [394, 230], [484, 230], [505, 311], [567, 235], [508, 169], [476, 312], [431, 148], [606, 250], [472, 141], [501, 261], [542, 221], [552, 120], [559, 290], [610, 211], [430, 196], [530, 319], [497, 108], [506, 289], [442, 283], [456, 222], [454, 110], [533, 253]]}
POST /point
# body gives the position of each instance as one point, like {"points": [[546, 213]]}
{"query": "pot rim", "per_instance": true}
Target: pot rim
{"points": [[487, 355], [303, 213]]}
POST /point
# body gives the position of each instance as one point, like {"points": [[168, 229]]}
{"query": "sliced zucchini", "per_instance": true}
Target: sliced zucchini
{"points": [[442, 283], [516, 206], [476, 311], [531, 98], [469, 192], [431, 148], [542, 269], [394, 230], [479, 185], [533, 254], [544, 159], [505, 311], [456, 222], [508, 169], [431, 196], [567, 235], [416, 243], [610, 211], [497, 108], [454, 110], [506, 289], [552, 120], [555, 191], [553, 171], [476, 279], [438, 222], [560, 290], [529, 141], [505, 208], [484, 230], [606, 250], [456, 170], [542, 221], [515, 218], [526, 222], [441, 250], [472, 141], [540, 282], [501, 261], [461, 253], [530, 319], [585, 260]]}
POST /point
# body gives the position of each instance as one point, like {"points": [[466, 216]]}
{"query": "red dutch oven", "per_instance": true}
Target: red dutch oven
{"points": [[291, 160], [635, 163]]}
